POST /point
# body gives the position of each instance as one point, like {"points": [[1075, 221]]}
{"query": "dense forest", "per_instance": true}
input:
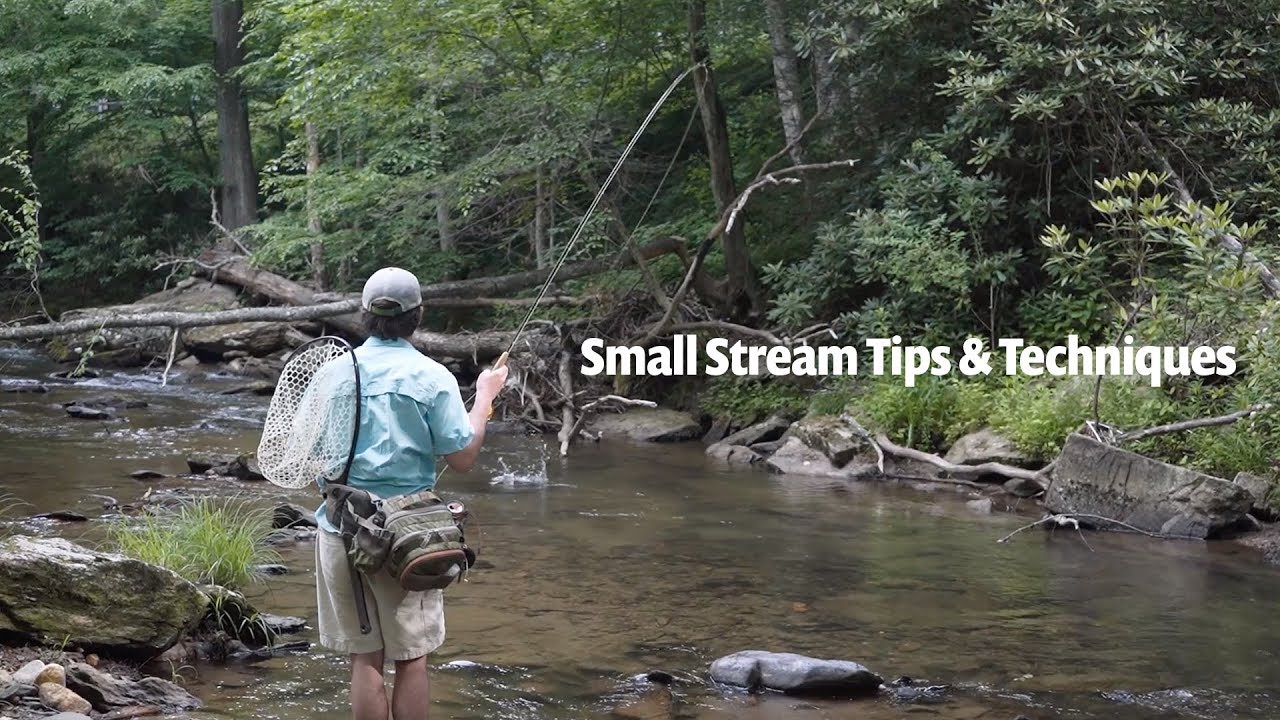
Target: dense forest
{"points": [[1020, 168]]}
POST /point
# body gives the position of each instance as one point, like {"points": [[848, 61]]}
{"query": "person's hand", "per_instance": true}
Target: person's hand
{"points": [[490, 383]]}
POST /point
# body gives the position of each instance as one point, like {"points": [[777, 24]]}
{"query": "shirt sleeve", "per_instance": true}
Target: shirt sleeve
{"points": [[447, 417]]}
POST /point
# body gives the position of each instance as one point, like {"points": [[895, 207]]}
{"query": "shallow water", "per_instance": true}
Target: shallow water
{"points": [[624, 559]]}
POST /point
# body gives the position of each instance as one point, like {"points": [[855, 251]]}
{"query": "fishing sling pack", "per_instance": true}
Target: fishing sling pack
{"points": [[417, 538]]}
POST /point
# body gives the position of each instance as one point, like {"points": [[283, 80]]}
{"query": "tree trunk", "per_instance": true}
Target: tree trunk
{"points": [[239, 179], [444, 224], [313, 215], [742, 288], [786, 77], [541, 249]]}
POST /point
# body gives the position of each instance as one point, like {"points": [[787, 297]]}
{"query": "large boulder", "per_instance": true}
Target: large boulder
{"points": [[986, 446], [795, 674], [254, 338], [797, 458], [1094, 478], [834, 438], [53, 591], [647, 425]]}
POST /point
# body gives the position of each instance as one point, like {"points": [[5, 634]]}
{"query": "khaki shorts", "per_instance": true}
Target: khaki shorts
{"points": [[405, 625]]}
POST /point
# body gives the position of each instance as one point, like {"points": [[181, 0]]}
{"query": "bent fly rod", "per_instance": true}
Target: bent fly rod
{"points": [[564, 255]]}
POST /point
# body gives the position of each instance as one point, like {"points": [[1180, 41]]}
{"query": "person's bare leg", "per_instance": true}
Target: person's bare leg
{"points": [[411, 698], [368, 689]]}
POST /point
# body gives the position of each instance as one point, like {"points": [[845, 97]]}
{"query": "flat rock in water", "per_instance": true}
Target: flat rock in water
{"points": [[289, 515], [89, 413], [261, 388], [647, 425], [1098, 479], [734, 454], [283, 624], [23, 386], [795, 674], [147, 475], [1023, 487], [67, 716], [986, 446], [54, 591], [108, 692], [62, 516]]}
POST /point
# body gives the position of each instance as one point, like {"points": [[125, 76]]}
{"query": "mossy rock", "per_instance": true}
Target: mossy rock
{"points": [[54, 592]]}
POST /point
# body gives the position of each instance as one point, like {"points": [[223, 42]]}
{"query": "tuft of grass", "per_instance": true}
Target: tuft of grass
{"points": [[8, 509], [207, 541]]}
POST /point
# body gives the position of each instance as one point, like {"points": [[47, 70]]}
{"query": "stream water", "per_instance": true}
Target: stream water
{"points": [[625, 559]]}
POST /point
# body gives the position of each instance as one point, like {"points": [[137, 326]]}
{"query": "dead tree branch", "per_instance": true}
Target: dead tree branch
{"points": [[1184, 425], [589, 409], [721, 227], [988, 468]]}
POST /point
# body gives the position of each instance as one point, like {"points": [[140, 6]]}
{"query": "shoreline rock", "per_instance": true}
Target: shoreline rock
{"points": [[55, 592], [643, 424], [1094, 478]]}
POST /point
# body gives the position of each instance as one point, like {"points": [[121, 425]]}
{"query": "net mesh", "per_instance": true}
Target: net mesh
{"points": [[307, 435]]}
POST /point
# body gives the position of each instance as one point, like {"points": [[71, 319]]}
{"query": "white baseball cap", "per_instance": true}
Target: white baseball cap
{"points": [[391, 286]]}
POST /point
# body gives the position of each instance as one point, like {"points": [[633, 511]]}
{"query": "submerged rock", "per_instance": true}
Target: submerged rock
{"points": [[1094, 478], [54, 591], [795, 674], [87, 413], [647, 425]]}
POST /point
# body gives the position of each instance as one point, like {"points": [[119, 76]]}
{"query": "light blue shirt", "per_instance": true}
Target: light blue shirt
{"points": [[410, 412]]}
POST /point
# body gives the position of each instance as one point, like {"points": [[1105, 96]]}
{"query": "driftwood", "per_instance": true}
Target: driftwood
{"points": [[1184, 425], [589, 409], [989, 468]]}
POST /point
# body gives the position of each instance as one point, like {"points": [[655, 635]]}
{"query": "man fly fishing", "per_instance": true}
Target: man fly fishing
{"points": [[411, 411]]}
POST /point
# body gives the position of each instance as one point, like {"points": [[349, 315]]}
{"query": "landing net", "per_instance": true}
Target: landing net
{"points": [[308, 435]]}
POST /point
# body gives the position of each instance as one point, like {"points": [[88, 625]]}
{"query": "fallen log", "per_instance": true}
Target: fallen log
{"points": [[237, 271], [176, 319], [180, 319], [477, 347]]}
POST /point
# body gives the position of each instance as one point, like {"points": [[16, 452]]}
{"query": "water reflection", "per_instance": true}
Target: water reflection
{"points": [[620, 560]]}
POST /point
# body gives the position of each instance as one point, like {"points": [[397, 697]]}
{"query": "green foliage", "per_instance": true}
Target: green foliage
{"points": [[207, 540], [21, 225], [931, 415], [749, 400]]}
